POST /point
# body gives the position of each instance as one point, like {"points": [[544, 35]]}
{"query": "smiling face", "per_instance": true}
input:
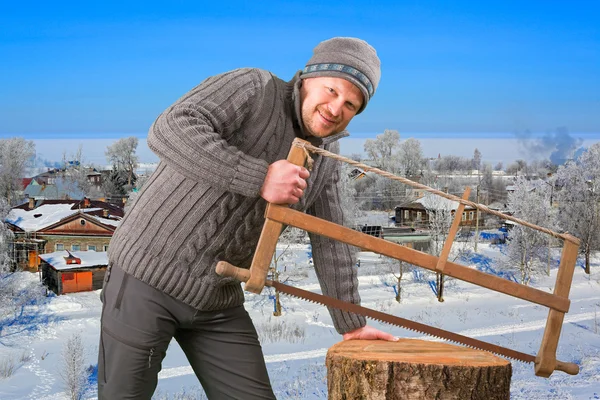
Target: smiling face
{"points": [[328, 104]]}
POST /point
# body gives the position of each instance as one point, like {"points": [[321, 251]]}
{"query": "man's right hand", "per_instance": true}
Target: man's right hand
{"points": [[285, 183]]}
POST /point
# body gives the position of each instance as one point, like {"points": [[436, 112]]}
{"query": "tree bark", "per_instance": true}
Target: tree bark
{"points": [[412, 369]]}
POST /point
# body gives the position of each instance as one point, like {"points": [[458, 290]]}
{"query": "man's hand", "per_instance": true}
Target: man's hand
{"points": [[369, 333], [285, 183]]}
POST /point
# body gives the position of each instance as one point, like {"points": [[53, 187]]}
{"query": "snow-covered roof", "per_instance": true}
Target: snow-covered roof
{"points": [[439, 202], [47, 214], [106, 221], [88, 259]]}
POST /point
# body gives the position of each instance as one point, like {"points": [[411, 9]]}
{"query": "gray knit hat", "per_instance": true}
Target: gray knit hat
{"points": [[348, 58]]}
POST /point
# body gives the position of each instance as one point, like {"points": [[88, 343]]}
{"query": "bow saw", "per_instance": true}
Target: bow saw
{"points": [[276, 216]]}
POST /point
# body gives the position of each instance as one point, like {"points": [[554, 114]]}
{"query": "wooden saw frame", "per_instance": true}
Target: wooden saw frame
{"points": [[558, 302]]}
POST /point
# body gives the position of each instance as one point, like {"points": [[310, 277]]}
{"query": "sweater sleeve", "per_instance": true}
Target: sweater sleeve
{"points": [[193, 135], [334, 261]]}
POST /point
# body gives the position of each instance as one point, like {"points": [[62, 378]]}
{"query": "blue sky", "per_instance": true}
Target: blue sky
{"points": [[463, 68]]}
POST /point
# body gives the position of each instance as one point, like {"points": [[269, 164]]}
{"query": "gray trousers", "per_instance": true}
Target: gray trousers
{"points": [[138, 322]]}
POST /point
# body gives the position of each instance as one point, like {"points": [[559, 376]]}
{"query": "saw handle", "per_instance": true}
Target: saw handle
{"points": [[227, 270], [569, 368]]}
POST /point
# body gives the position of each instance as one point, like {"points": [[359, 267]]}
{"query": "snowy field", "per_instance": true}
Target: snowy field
{"points": [[295, 343]]}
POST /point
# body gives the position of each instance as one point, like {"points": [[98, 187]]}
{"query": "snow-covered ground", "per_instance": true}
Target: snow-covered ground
{"points": [[295, 344]]}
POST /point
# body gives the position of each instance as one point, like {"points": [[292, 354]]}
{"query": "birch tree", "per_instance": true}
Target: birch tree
{"points": [[526, 246], [15, 154], [72, 367], [579, 200]]}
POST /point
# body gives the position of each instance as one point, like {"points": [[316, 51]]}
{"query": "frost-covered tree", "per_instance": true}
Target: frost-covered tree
{"points": [[439, 212], [15, 293], [283, 258], [410, 158], [72, 367], [6, 238], [121, 155], [15, 154], [476, 161], [451, 164], [382, 149], [76, 175], [526, 246], [579, 200], [350, 203], [397, 269]]}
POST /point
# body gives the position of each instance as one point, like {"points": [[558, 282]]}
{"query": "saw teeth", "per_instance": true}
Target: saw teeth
{"points": [[312, 300]]}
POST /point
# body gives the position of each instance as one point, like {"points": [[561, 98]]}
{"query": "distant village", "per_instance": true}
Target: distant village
{"points": [[64, 217], [61, 220]]}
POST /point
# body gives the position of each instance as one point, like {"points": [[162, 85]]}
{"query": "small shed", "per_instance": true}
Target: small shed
{"points": [[69, 272]]}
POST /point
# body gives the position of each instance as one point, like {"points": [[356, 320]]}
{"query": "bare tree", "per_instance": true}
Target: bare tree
{"points": [[498, 166], [579, 200], [15, 154], [121, 155], [72, 367], [439, 211], [282, 258]]}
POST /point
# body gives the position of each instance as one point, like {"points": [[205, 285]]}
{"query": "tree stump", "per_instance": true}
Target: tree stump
{"points": [[414, 369]]}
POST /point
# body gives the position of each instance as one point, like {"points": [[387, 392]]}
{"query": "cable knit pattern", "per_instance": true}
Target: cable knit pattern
{"points": [[202, 203]]}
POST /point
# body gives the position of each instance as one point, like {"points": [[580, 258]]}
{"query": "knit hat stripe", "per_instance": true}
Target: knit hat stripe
{"points": [[342, 68]]}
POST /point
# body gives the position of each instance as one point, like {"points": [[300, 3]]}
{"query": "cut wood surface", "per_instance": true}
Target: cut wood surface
{"points": [[416, 370]]}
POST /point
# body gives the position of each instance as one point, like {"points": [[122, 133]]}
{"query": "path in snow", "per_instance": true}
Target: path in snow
{"points": [[46, 380]]}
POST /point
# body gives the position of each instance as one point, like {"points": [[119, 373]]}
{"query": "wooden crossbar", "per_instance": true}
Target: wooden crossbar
{"points": [[394, 250], [441, 263]]}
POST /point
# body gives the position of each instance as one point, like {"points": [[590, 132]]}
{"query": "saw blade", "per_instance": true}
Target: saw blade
{"points": [[402, 322]]}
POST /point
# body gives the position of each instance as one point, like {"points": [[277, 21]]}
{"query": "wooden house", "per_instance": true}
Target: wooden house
{"points": [[69, 272], [416, 213], [55, 225]]}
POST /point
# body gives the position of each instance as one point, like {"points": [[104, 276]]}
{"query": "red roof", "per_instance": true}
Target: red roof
{"points": [[25, 182]]}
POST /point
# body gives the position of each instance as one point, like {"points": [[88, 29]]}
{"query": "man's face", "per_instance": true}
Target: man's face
{"points": [[328, 104]]}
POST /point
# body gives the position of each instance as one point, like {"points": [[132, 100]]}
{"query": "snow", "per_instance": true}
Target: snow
{"points": [[47, 214], [88, 259], [106, 221], [296, 367]]}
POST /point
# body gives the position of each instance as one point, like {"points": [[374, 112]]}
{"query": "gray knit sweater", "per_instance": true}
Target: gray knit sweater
{"points": [[202, 204]]}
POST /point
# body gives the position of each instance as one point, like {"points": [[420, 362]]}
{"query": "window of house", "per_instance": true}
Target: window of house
{"points": [[91, 247], [82, 222], [406, 214], [419, 215], [59, 246], [105, 247], [471, 215], [464, 216], [75, 247]]}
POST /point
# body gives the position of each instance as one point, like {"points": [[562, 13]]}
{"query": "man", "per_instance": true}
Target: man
{"points": [[223, 147]]}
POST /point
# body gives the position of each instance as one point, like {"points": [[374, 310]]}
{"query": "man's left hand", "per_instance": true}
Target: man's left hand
{"points": [[369, 333]]}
